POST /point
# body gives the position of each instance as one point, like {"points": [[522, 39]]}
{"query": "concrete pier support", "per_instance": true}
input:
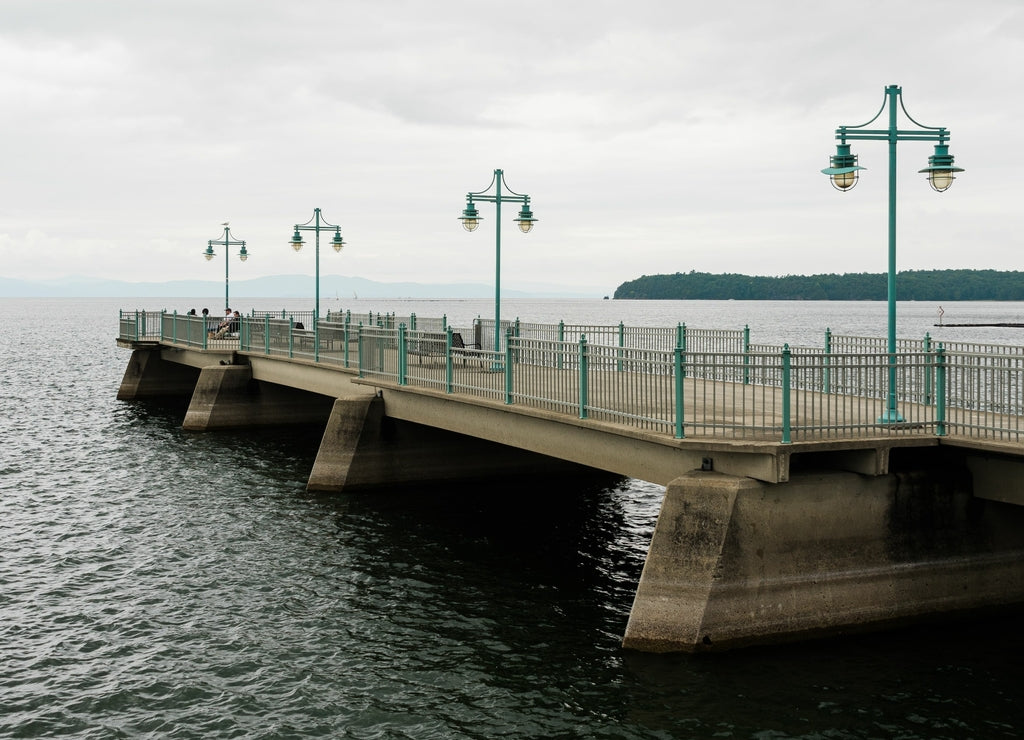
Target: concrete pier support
{"points": [[365, 450], [227, 397], [734, 561], [148, 375]]}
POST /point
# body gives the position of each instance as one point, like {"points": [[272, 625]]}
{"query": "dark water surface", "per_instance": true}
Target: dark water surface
{"points": [[163, 584]]}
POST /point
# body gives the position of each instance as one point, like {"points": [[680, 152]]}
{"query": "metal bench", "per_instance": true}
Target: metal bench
{"points": [[434, 344]]}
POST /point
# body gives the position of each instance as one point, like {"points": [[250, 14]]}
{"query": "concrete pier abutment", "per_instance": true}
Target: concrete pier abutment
{"points": [[148, 375], [228, 397], [735, 562], [365, 450]]}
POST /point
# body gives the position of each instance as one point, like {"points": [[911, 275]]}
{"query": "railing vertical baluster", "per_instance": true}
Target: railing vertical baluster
{"points": [[622, 343], [401, 354], [928, 372], [785, 395], [359, 349], [746, 354], [940, 391], [448, 359], [826, 385], [508, 366], [561, 338], [583, 376], [345, 336]]}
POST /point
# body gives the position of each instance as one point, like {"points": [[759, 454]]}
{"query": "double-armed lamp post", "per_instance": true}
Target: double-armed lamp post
{"points": [[227, 241], [843, 171], [471, 220], [315, 224]]}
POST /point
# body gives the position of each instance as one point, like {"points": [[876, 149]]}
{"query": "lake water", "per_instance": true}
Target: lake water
{"points": [[156, 583]]}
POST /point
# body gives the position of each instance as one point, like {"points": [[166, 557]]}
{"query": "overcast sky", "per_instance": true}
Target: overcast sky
{"points": [[652, 136]]}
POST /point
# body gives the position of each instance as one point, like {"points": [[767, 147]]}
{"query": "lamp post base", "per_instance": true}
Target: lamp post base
{"points": [[891, 416]]}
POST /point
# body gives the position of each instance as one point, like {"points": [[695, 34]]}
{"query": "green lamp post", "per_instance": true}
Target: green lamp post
{"points": [[844, 172], [471, 220], [227, 241], [315, 224]]}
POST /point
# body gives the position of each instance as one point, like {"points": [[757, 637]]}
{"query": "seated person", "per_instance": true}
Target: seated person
{"points": [[229, 324]]}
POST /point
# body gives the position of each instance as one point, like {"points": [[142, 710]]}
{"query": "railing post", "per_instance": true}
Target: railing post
{"points": [[174, 326], [401, 354], [785, 395], [291, 336], [316, 338], [444, 322], [508, 367], [448, 359], [266, 334], [412, 321], [927, 369], [746, 354], [680, 385], [583, 376], [138, 333], [940, 391], [826, 385]]}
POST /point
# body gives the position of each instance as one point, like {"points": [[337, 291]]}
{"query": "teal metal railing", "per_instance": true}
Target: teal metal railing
{"points": [[683, 382]]}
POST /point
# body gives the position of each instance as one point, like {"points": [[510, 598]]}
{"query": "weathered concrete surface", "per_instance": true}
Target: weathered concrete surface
{"points": [[227, 397], [736, 562], [350, 420], [364, 450], [148, 375]]}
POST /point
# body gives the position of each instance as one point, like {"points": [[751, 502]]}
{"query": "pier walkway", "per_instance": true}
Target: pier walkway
{"points": [[793, 505]]}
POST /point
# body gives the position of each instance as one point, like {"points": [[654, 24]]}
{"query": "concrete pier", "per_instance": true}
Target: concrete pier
{"points": [[758, 540], [364, 449], [228, 397], [734, 561], [148, 375]]}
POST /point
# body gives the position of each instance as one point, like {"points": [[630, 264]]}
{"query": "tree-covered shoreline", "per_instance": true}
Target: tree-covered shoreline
{"points": [[912, 285]]}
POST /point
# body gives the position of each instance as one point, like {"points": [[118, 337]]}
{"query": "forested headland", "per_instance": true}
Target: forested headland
{"points": [[912, 285]]}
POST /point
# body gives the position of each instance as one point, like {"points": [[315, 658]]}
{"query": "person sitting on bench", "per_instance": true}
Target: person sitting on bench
{"points": [[228, 325]]}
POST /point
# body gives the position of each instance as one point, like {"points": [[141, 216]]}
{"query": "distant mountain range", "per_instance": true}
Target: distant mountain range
{"points": [[279, 286]]}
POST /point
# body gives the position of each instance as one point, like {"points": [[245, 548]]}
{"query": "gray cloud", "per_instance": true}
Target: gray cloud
{"points": [[653, 136]]}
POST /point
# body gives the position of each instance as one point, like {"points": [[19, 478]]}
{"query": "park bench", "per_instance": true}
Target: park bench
{"points": [[433, 344]]}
